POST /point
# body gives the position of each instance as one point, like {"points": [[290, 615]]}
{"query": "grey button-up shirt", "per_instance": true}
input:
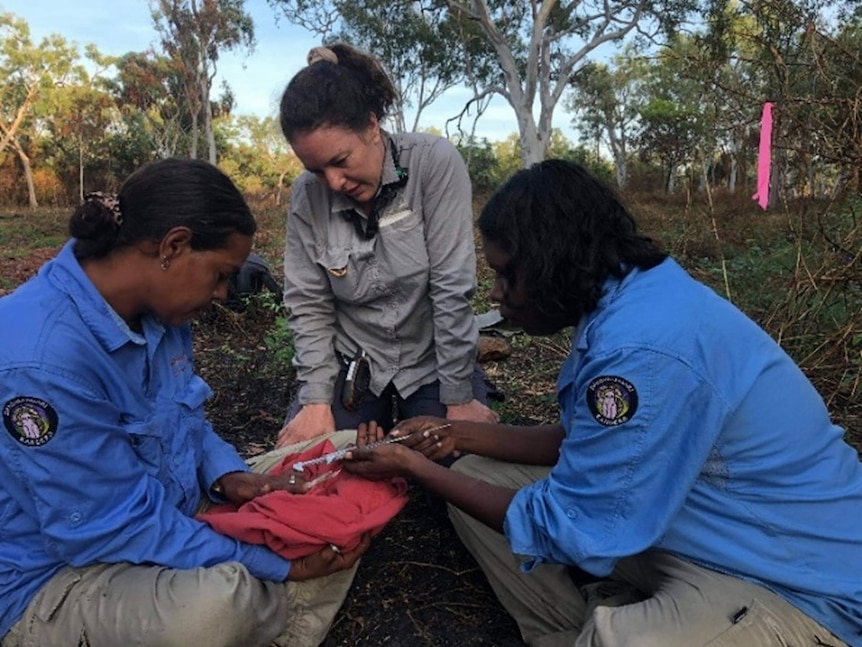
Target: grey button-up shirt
{"points": [[403, 296]]}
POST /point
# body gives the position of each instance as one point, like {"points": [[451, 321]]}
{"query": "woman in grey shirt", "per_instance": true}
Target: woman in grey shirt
{"points": [[380, 258]]}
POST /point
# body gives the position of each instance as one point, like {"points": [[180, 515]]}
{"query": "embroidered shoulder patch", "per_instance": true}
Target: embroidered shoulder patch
{"points": [[30, 421], [612, 400]]}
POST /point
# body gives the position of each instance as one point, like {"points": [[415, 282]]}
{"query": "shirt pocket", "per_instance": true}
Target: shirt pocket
{"points": [[145, 437], [187, 437], [353, 274], [194, 395], [405, 246], [757, 625]]}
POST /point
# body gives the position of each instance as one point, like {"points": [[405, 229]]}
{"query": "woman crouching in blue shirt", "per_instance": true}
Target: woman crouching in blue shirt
{"points": [[106, 455], [694, 492]]}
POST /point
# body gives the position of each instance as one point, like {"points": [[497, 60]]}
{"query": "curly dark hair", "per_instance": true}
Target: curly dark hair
{"points": [[342, 94], [566, 233], [158, 197]]}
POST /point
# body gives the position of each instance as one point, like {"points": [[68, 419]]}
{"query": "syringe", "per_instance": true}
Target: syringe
{"points": [[339, 454]]}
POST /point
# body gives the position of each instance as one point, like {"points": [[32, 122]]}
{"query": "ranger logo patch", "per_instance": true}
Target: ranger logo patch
{"points": [[612, 400], [30, 421]]}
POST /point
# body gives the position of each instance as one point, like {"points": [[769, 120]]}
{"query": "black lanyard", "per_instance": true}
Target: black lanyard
{"points": [[380, 201]]}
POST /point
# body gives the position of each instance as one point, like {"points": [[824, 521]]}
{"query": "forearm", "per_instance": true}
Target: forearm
{"points": [[539, 445], [456, 335], [481, 500], [219, 458]]}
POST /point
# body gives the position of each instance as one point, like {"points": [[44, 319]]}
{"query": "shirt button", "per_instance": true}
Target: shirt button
{"points": [[75, 517], [572, 514]]}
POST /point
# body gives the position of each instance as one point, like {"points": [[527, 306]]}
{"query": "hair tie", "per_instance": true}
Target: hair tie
{"points": [[317, 54], [109, 201]]}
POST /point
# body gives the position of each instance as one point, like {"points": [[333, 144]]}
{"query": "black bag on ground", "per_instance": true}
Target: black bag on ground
{"points": [[253, 277]]}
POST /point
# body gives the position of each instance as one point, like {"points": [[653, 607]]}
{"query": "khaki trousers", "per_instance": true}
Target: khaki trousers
{"points": [[120, 605], [651, 600]]}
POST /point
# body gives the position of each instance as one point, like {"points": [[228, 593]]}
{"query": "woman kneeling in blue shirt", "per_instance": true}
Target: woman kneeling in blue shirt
{"points": [[694, 492], [106, 456]]}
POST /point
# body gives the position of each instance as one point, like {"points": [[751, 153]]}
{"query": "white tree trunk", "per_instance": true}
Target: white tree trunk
{"points": [[193, 146], [618, 149], [549, 67], [208, 117], [28, 172]]}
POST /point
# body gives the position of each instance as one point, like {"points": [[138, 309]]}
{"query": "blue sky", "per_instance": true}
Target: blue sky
{"points": [[120, 26]]}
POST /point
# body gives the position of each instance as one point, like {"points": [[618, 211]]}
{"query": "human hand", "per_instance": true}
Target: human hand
{"points": [[327, 561], [474, 411], [418, 439], [382, 461], [369, 432], [313, 420], [433, 437], [239, 487]]}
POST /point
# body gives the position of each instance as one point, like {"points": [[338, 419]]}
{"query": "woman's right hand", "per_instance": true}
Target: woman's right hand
{"points": [[313, 420], [434, 445], [327, 561]]}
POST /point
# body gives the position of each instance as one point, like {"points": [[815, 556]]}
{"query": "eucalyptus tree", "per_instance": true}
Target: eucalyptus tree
{"points": [[839, 65], [258, 157], [148, 90], [28, 73], [605, 100], [526, 52], [541, 45], [685, 102], [80, 116], [193, 34]]}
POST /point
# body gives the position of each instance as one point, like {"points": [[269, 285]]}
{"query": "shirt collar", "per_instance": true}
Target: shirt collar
{"points": [[610, 292], [66, 273]]}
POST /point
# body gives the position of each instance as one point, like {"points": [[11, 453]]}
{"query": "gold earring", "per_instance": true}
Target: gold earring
{"points": [[165, 264]]}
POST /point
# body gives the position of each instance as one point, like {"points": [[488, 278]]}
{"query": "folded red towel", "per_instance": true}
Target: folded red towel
{"points": [[336, 511]]}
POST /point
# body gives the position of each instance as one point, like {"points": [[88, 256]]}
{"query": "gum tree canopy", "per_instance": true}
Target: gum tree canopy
{"points": [[527, 52]]}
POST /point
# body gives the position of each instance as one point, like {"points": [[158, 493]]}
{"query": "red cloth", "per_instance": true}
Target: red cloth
{"points": [[336, 511]]}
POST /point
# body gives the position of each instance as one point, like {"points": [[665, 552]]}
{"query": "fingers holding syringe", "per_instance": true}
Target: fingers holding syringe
{"points": [[431, 436]]}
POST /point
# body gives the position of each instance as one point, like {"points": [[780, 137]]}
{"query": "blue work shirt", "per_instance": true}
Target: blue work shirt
{"points": [[105, 451], [689, 430]]}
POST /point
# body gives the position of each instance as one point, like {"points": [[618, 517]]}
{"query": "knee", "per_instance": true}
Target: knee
{"points": [[233, 608]]}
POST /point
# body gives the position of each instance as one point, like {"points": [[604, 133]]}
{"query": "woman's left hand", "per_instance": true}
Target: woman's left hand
{"points": [[239, 487], [368, 433]]}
